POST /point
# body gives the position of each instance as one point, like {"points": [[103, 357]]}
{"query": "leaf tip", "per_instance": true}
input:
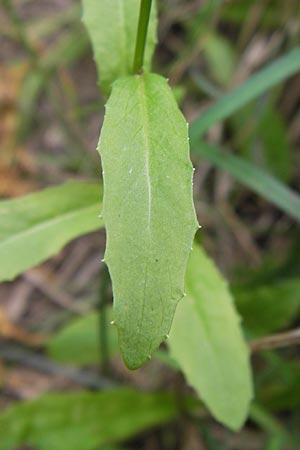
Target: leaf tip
{"points": [[134, 363]]}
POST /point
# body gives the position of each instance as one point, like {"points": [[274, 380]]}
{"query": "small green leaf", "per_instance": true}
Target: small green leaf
{"points": [[207, 342], [77, 342], [260, 126], [83, 420], [220, 57], [147, 209], [37, 226], [277, 149], [278, 386], [112, 25], [270, 307]]}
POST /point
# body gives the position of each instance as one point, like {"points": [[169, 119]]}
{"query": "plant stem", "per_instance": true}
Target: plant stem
{"points": [[141, 35], [104, 299]]}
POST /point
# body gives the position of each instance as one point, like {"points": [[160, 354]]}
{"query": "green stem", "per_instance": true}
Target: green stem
{"points": [[141, 35], [104, 299]]}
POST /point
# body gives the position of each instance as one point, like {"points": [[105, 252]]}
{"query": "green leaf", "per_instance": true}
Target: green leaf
{"points": [[220, 56], [279, 70], [255, 178], [262, 136], [112, 25], [77, 342], [276, 146], [270, 307], [83, 420], [206, 340], [147, 210], [278, 385], [37, 226]]}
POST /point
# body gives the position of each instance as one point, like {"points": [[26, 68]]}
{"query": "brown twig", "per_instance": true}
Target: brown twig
{"points": [[19, 355], [64, 300], [9, 330], [280, 340]]}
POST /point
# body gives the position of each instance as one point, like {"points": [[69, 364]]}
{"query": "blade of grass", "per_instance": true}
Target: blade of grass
{"points": [[253, 177], [277, 71], [270, 425]]}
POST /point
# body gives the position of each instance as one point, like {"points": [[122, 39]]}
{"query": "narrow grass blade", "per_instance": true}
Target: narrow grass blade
{"points": [[254, 178], [277, 71]]}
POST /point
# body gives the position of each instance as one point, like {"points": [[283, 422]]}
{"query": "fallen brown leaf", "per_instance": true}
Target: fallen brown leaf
{"points": [[9, 330]]}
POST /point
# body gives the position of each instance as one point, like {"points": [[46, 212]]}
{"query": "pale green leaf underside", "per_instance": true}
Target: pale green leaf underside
{"points": [[112, 25], [37, 226], [207, 342], [83, 420], [147, 210]]}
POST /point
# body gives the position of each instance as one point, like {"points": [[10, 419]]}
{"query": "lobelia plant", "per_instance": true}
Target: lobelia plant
{"points": [[150, 219], [148, 210], [150, 222]]}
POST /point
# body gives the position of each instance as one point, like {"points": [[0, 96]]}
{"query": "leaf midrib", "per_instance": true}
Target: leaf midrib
{"points": [[46, 224], [145, 134]]}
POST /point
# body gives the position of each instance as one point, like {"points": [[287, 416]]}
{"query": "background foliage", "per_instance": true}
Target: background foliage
{"points": [[245, 189]]}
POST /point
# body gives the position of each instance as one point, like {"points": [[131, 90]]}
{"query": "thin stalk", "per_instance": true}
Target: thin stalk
{"points": [[104, 300], [141, 35]]}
